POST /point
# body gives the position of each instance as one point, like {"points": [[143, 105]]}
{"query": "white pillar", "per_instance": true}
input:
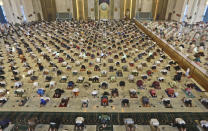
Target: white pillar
{"points": [[117, 4]]}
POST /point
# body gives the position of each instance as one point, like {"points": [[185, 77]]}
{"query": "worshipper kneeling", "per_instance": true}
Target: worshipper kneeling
{"points": [[172, 84], [58, 72], [131, 64], [96, 68], [144, 77], [112, 78], [119, 73], [63, 79], [104, 100], [83, 68], [140, 84], [94, 93], [177, 77], [170, 92], [149, 72], [44, 101], [188, 92], [125, 102], [123, 60], [103, 73], [40, 91], [154, 124], [3, 92], [133, 93], [74, 72], [54, 125], [187, 102], [80, 79], [153, 93], [161, 79], [114, 92], [52, 84], [23, 101], [104, 85], [204, 124], [60, 60], [104, 121], [166, 102], [204, 101], [111, 69], [64, 64], [164, 72], [85, 102], [58, 93], [48, 78], [2, 84], [125, 68], [86, 84], [18, 84], [94, 79], [19, 92], [135, 73], [156, 85], [64, 102], [129, 124], [181, 124], [79, 124], [70, 85], [2, 78], [131, 78], [3, 100], [4, 124], [75, 91], [145, 101], [122, 83]]}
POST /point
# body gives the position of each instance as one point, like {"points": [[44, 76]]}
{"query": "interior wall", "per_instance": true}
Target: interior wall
{"points": [[117, 9], [37, 9], [190, 10], [178, 10], [161, 10], [91, 12], [32, 8], [29, 11], [49, 9], [170, 7], [196, 10], [12, 10], [200, 10], [146, 5]]}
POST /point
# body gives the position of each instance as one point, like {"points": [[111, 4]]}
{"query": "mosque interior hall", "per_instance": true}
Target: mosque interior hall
{"points": [[103, 65]]}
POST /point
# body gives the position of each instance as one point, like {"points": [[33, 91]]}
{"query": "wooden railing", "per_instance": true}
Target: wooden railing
{"points": [[196, 72]]}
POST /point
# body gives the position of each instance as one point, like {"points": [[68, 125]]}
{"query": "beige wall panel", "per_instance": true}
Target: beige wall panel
{"points": [[117, 9]]}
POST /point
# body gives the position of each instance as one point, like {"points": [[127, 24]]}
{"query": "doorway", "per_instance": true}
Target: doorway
{"points": [[2, 15], [205, 18], [49, 9]]}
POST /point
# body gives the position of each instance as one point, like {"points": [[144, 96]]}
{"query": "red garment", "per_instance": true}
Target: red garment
{"points": [[104, 100], [149, 72], [139, 83], [153, 92], [170, 91]]}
